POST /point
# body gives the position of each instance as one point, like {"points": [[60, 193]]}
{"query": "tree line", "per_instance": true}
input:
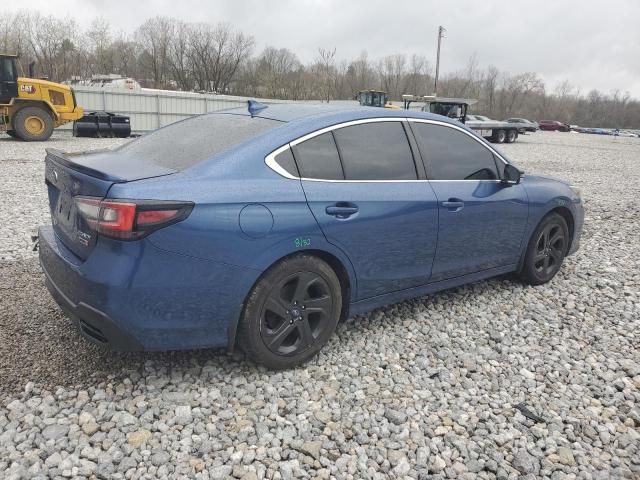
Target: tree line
{"points": [[169, 53]]}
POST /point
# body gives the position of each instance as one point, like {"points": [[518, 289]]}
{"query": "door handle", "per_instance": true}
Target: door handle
{"points": [[342, 211], [454, 204]]}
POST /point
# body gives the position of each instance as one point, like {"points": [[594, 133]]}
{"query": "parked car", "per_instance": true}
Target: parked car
{"points": [[553, 125], [527, 125], [263, 228]]}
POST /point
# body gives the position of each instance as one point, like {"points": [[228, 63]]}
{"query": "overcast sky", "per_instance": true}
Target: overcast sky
{"points": [[591, 43]]}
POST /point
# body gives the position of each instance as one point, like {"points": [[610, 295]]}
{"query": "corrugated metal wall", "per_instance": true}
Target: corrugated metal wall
{"points": [[151, 109]]}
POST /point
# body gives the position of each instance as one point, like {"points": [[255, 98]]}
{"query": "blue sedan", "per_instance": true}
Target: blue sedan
{"points": [[263, 227]]}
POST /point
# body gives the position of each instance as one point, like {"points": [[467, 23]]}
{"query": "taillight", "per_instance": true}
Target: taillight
{"points": [[130, 219]]}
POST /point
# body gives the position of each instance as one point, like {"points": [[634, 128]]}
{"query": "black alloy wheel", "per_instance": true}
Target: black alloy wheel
{"points": [[550, 249], [295, 313], [546, 250], [291, 312]]}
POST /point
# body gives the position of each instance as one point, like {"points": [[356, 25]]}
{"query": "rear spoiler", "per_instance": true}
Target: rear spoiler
{"points": [[63, 159], [108, 165]]}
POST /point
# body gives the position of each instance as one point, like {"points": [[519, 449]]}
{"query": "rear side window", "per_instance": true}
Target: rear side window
{"points": [[184, 144], [453, 155], [286, 161], [318, 158], [375, 151]]}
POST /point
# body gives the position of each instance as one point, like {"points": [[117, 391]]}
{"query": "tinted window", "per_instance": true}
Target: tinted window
{"points": [[286, 161], [375, 151], [186, 143], [318, 158], [453, 155], [6, 70]]}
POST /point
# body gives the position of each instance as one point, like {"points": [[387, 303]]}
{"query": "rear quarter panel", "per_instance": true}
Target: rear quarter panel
{"points": [[247, 222]]}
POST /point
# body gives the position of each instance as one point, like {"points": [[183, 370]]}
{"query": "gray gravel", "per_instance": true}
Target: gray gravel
{"points": [[438, 387]]}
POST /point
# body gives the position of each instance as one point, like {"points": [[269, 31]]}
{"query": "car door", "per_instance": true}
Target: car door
{"points": [[481, 219], [363, 188]]}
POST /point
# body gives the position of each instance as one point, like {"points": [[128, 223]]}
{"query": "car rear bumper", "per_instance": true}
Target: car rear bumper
{"points": [[93, 324], [135, 296]]}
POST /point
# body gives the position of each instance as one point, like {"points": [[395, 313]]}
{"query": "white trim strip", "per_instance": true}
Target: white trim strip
{"points": [[343, 125], [271, 162]]}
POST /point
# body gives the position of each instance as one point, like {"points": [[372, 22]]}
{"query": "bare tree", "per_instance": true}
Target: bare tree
{"points": [[392, 73], [99, 34], [47, 36], [124, 56], [168, 53], [418, 79], [360, 74], [326, 71], [490, 87], [178, 56], [275, 72], [153, 36]]}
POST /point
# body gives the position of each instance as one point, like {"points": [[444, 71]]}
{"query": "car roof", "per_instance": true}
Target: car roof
{"points": [[298, 120], [331, 113], [302, 119]]}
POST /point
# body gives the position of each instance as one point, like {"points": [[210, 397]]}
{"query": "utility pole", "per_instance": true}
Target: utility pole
{"points": [[441, 31]]}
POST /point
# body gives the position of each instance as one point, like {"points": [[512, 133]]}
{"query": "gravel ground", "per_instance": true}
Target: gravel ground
{"points": [[491, 380]]}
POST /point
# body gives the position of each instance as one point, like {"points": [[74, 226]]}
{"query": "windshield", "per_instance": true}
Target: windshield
{"points": [[186, 143]]}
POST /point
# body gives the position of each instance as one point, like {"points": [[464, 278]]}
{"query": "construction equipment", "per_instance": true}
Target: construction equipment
{"points": [[448, 107], [456, 108], [374, 98], [31, 108]]}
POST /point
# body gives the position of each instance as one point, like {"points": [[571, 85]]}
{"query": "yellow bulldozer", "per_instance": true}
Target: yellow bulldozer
{"points": [[31, 108]]}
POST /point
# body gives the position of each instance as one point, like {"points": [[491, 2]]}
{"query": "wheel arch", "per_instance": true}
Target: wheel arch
{"points": [[565, 213], [345, 275], [21, 103]]}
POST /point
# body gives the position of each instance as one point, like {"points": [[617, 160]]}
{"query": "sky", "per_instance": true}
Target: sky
{"points": [[590, 43]]}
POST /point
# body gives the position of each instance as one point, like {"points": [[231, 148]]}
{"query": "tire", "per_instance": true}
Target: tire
{"points": [[499, 136], [511, 136], [546, 250], [12, 133], [33, 124], [291, 312]]}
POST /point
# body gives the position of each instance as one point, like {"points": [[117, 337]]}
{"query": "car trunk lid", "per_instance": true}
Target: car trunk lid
{"points": [[87, 174]]}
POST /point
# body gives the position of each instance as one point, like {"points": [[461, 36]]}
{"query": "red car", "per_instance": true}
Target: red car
{"points": [[553, 125]]}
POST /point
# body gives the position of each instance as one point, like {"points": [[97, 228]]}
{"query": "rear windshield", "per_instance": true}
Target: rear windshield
{"points": [[184, 144]]}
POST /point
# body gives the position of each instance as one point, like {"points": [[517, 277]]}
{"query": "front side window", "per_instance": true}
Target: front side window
{"points": [[452, 154], [375, 151], [318, 158]]}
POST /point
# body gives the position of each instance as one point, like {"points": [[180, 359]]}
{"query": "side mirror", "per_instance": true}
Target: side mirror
{"points": [[511, 175]]}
